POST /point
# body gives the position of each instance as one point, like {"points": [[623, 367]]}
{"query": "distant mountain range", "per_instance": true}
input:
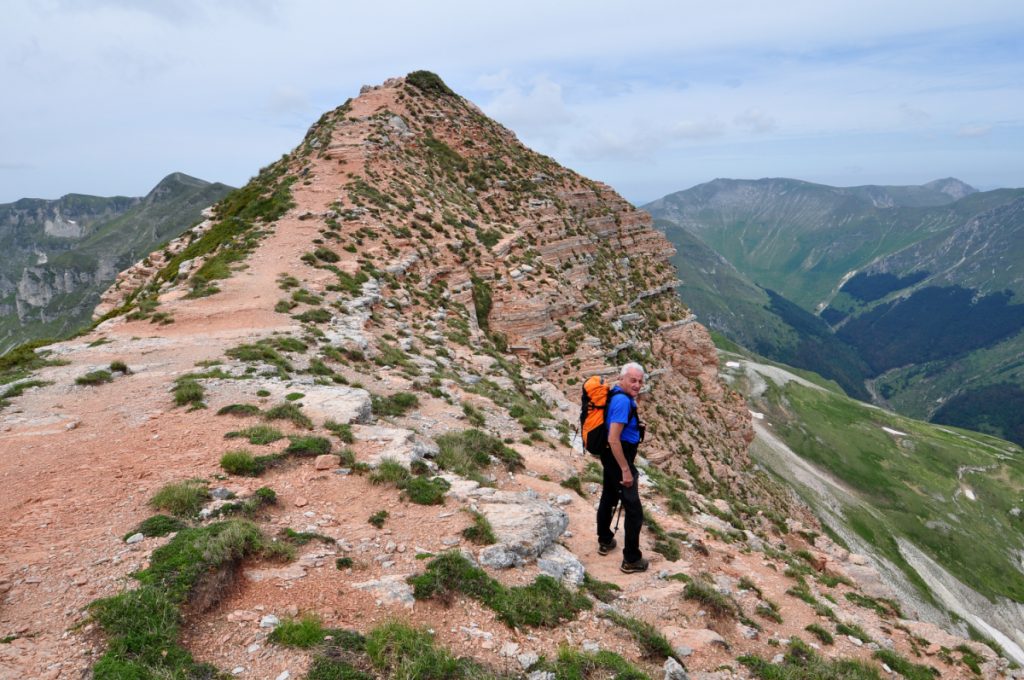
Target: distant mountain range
{"points": [[59, 255], [907, 295]]}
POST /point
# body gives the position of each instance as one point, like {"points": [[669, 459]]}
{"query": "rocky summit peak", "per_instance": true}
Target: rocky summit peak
{"points": [[355, 384]]}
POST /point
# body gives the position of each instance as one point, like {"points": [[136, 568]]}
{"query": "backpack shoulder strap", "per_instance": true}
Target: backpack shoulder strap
{"points": [[612, 393]]}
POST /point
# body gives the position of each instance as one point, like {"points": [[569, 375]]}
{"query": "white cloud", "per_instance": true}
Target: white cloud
{"points": [[757, 121], [974, 131]]}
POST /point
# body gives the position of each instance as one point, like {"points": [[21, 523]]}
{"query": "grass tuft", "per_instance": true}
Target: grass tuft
{"points": [[705, 593], [395, 404], [818, 631], [93, 378], [257, 434], [289, 412], [182, 499], [480, 532], [157, 525], [652, 642], [543, 603], [307, 446], [240, 410]]}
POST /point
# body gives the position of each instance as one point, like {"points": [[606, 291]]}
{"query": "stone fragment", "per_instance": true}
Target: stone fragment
{"points": [[527, 659], [560, 563], [269, 621], [300, 502], [674, 670], [327, 462], [134, 538], [389, 590]]}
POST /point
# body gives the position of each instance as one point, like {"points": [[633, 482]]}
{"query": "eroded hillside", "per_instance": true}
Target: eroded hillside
{"points": [[354, 386]]}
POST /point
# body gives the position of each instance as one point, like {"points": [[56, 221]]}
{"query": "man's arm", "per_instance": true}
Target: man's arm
{"points": [[615, 443]]}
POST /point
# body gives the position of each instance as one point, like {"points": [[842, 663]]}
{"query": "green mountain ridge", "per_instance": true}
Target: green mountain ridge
{"points": [[923, 285], [61, 254]]}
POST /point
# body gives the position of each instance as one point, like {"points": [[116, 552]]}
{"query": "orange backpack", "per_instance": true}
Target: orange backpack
{"points": [[594, 400]]}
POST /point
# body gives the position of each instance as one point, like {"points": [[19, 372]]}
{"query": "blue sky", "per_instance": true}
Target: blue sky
{"points": [[108, 96]]}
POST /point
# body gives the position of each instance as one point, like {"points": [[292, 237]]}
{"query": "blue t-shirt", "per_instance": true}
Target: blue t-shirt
{"points": [[619, 411]]}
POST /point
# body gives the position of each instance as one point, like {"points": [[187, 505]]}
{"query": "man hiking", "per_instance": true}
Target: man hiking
{"points": [[620, 475]]}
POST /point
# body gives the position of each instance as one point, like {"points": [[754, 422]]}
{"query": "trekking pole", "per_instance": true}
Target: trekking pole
{"points": [[619, 515]]}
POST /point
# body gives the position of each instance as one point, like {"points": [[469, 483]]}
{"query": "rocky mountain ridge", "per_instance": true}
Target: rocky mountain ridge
{"points": [[395, 316]]}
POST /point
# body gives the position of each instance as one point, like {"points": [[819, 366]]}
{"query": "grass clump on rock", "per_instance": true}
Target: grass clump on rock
{"points": [[395, 404], [418, 489], [342, 431], [426, 491], [182, 499], [467, 452], [818, 631], [802, 662], [290, 412], [652, 642], [378, 518], [188, 392], [93, 378], [543, 603], [241, 410], [157, 525], [603, 591], [718, 605], [480, 531]]}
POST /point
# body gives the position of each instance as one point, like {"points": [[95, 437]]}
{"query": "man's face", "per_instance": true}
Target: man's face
{"points": [[632, 382]]}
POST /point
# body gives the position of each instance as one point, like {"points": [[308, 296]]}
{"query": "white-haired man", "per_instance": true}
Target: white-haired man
{"points": [[625, 432]]}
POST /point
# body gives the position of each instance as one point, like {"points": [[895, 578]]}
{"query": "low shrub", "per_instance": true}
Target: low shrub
{"points": [[378, 518]]}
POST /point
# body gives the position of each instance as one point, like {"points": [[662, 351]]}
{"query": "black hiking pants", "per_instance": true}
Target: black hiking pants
{"points": [[613, 493]]}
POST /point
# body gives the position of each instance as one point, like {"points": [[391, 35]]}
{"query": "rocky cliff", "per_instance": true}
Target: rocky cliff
{"points": [[355, 384]]}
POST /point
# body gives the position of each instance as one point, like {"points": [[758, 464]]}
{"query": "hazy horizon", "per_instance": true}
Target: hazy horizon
{"points": [[106, 97]]}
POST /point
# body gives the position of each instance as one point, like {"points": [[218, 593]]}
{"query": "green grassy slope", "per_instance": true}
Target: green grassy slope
{"points": [[950, 492], [728, 302]]}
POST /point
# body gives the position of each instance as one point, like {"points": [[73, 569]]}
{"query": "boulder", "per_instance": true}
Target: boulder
{"points": [[560, 563], [524, 525], [328, 461], [389, 590]]}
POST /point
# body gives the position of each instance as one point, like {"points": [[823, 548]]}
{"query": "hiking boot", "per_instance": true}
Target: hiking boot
{"points": [[634, 567], [605, 548]]}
